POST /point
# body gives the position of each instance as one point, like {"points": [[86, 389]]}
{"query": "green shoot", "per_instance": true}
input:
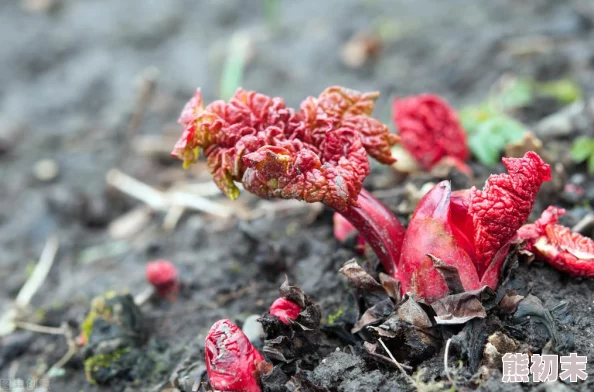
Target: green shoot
{"points": [[582, 151]]}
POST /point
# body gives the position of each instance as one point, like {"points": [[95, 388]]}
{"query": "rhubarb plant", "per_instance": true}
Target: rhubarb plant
{"points": [[470, 230], [317, 154]]}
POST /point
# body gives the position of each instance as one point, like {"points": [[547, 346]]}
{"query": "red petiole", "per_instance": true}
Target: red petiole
{"points": [[380, 228]]}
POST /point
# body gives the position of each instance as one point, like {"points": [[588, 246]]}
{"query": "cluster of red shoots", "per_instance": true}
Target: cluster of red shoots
{"points": [[320, 153]]}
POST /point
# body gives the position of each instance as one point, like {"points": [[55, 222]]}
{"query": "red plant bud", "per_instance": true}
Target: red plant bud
{"points": [[557, 245], [231, 360], [285, 310], [430, 130], [430, 232], [470, 229], [162, 274]]}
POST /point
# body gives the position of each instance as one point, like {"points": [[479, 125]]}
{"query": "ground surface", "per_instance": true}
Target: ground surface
{"points": [[68, 85]]}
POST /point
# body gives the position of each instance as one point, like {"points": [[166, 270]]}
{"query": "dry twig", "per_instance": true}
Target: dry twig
{"points": [[406, 375], [31, 286], [164, 200], [445, 361], [584, 224]]}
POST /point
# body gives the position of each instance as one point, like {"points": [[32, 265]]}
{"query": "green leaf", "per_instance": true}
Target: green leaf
{"points": [[518, 94], [472, 116], [582, 148], [563, 90], [491, 136], [591, 164], [487, 154]]}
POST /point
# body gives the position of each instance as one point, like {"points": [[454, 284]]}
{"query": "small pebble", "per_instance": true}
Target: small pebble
{"points": [[67, 203], [560, 124], [97, 212], [10, 134], [46, 170], [252, 328], [359, 50], [13, 346], [38, 6], [578, 179]]}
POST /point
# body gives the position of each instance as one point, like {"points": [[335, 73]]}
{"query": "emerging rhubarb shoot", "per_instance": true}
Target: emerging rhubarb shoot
{"points": [[285, 310], [469, 230], [317, 154], [232, 362], [163, 276]]}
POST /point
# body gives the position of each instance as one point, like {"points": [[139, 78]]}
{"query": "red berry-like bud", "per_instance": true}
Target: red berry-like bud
{"points": [[231, 360], [285, 310], [162, 274]]}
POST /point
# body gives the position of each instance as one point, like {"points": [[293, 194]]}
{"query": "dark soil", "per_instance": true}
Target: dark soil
{"points": [[69, 83]]}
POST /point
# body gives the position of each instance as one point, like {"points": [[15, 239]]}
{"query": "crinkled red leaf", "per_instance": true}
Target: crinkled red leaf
{"points": [[470, 229], [231, 360], [334, 177], [429, 129], [227, 131], [567, 251], [285, 310], [504, 205], [317, 154], [430, 232], [532, 231], [557, 245], [338, 107]]}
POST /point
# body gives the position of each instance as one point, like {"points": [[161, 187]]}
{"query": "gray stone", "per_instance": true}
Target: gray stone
{"points": [[252, 328]]}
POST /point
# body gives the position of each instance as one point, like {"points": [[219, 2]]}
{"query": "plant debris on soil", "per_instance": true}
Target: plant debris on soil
{"points": [[89, 194]]}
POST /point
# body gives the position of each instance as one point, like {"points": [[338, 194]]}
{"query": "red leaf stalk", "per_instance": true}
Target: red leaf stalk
{"points": [[380, 228]]}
